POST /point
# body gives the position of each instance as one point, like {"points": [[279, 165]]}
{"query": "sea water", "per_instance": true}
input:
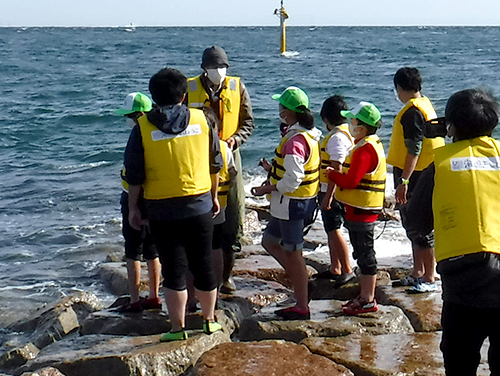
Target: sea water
{"points": [[61, 145]]}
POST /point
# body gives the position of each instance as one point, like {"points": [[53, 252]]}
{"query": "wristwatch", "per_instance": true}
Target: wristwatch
{"points": [[404, 181]]}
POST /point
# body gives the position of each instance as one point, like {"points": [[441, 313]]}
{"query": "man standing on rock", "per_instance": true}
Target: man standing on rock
{"points": [[466, 208], [174, 155], [229, 101], [410, 153]]}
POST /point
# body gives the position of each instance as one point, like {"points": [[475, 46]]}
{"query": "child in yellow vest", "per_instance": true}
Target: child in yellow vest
{"points": [[361, 188]]}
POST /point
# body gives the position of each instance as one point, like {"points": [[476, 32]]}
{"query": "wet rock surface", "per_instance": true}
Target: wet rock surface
{"points": [[264, 267], [258, 292], [327, 320], [49, 371], [386, 355], [277, 358], [423, 310], [325, 288], [122, 356]]}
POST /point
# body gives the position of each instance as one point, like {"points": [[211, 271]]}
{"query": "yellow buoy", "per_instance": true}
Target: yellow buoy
{"points": [[283, 15]]}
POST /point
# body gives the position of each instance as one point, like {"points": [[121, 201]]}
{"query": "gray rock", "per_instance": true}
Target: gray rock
{"points": [[143, 323], [81, 303], [56, 321], [114, 276], [257, 292], [277, 358], [423, 310], [18, 356], [124, 356], [264, 267], [324, 288], [386, 355], [49, 371], [327, 320]]}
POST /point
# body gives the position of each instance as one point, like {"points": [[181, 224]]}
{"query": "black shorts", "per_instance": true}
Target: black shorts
{"points": [[333, 219], [137, 243], [186, 244]]}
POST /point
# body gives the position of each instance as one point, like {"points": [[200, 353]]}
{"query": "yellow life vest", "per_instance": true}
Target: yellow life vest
{"points": [[229, 108], [325, 157], [370, 192], [224, 180], [309, 187], [397, 149], [465, 202], [123, 175], [176, 165]]}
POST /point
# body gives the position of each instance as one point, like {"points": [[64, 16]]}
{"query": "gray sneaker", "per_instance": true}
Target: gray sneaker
{"points": [[407, 280], [343, 279]]}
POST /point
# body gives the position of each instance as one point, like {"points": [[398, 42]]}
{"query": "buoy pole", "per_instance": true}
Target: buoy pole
{"points": [[281, 13]]}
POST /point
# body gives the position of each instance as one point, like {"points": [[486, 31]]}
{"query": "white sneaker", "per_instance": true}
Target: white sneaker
{"points": [[422, 287]]}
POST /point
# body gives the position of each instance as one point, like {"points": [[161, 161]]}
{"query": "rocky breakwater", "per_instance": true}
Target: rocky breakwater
{"points": [[78, 336]]}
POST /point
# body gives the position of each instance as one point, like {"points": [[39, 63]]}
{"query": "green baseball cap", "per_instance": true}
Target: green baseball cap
{"points": [[292, 98], [135, 102], [364, 111]]}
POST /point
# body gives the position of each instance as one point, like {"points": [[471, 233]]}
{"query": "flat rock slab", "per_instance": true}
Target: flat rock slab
{"points": [[327, 320], [125, 356], [423, 310], [49, 371], [324, 288], [388, 354], [264, 267], [258, 292], [277, 358], [143, 323], [114, 276]]}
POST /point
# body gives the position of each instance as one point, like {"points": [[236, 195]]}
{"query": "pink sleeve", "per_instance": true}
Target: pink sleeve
{"points": [[296, 146]]}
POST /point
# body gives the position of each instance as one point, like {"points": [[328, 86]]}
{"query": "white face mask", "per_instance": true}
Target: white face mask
{"points": [[354, 130], [216, 76], [130, 122]]}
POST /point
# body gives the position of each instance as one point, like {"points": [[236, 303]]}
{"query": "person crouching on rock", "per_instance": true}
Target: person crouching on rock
{"points": [[361, 188], [292, 188]]}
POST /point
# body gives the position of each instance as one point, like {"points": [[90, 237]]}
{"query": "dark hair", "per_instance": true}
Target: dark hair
{"points": [[409, 79], [473, 113], [371, 129], [306, 118], [168, 86], [331, 110]]}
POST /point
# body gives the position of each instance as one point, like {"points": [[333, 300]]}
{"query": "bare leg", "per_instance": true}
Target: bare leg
{"points": [[429, 263], [298, 274], [207, 301], [154, 272], [368, 283], [295, 267], [176, 304], [418, 263], [134, 279], [339, 253]]}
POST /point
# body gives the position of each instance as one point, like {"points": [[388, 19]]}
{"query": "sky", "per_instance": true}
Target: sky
{"points": [[20, 13]]}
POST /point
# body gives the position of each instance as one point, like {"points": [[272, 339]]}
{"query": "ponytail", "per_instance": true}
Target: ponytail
{"points": [[305, 118]]}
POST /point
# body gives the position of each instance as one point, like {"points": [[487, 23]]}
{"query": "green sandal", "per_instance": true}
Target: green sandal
{"points": [[174, 336], [211, 327]]}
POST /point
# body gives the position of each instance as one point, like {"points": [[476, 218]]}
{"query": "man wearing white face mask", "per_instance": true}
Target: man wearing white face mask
{"points": [[227, 98]]}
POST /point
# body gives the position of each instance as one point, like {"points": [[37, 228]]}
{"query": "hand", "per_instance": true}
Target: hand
{"points": [[215, 207], [326, 203], [265, 164], [263, 189], [231, 143], [135, 218], [401, 192]]}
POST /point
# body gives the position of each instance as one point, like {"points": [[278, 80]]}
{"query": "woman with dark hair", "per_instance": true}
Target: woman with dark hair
{"points": [[292, 188]]}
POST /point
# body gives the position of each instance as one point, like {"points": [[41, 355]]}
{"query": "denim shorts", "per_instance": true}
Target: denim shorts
{"points": [[288, 233]]}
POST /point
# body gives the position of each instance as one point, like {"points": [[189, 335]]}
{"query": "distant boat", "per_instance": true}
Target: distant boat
{"points": [[131, 27]]}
